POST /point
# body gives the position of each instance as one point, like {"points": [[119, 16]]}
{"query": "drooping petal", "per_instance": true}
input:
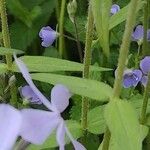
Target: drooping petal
{"points": [[38, 125], [60, 97], [114, 9], [76, 144], [60, 135], [145, 65], [48, 36], [137, 75], [138, 33], [23, 69], [144, 80], [10, 122]]}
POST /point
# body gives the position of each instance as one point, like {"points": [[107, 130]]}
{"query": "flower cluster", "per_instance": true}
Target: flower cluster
{"points": [[35, 125], [132, 77]]}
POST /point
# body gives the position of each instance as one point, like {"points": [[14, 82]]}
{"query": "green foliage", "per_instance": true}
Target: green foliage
{"points": [[123, 124], [89, 88], [49, 64], [101, 12], [73, 126], [9, 51]]}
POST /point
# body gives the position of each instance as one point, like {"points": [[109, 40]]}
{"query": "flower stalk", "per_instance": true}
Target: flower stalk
{"points": [[87, 62], [61, 26], [145, 101], [6, 42], [122, 60]]}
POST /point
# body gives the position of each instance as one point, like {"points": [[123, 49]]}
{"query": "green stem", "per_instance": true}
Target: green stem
{"points": [[145, 101], [122, 59], [87, 62], [145, 24], [61, 30], [57, 10], [6, 41]]}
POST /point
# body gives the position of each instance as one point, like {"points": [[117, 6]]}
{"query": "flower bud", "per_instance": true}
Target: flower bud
{"points": [[72, 8]]}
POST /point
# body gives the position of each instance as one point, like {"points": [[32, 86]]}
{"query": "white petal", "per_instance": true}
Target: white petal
{"points": [[10, 122], [23, 69], [60, 97], [38, 125], [60, 135]]}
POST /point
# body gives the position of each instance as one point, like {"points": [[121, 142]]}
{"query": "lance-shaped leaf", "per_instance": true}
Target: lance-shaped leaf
{"points": [[85, 87], [101, 12], [49, 64], [9, 51], [123, 124]]}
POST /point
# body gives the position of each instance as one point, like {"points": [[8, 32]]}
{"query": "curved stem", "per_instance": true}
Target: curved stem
{"points": [[61, 30], [122, 60], [87, 62]]}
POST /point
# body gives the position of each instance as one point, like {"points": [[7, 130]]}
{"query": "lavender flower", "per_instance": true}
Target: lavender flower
{"points": [[37, 125], [131, 78], [11, 120], [114, 9], [28, 94], [145, 65], [48, 36], [144, 80], [138, 33]]}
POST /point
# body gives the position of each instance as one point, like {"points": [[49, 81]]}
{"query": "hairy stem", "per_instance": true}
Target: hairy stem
{"points": [[122, 59], [6, 41], [61, 28], [145, 101], [87, 62]]}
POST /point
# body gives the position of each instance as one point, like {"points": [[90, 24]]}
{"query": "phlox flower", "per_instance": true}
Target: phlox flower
{"points": [[131, 78], [145, 67], [48, 36], [114, 9], [35, 125], [138, 33]]}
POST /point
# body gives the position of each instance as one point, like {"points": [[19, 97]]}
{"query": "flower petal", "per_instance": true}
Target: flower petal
{"points": [[114, 9], [138, 33], [38, 125], [60, 135], [23, 69], [144, 80], [10, 122], [145, 65], [76, 144], [48, 36], [26, 92], [60, 97]]}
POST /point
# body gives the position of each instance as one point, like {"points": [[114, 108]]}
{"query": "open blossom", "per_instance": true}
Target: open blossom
{"points": [[138, 33], [28, 94], [145, 67], [131, 78], [48, 36], [114, 9], [35, 125]]}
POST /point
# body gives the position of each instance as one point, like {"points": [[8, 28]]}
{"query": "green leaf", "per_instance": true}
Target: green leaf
{"points": [[101, 12], [73, 126], [49, 64], [96, 123], [3, 68], [123, 124], [89, 88], [6, 51]]}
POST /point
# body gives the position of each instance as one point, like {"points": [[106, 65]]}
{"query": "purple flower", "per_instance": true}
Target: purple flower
{"points": [[28, 94], [10, 123], [114, 9], [36, 125], [138, 33], [145, 65], [131, 78], [144, 80], [48, 36]]}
